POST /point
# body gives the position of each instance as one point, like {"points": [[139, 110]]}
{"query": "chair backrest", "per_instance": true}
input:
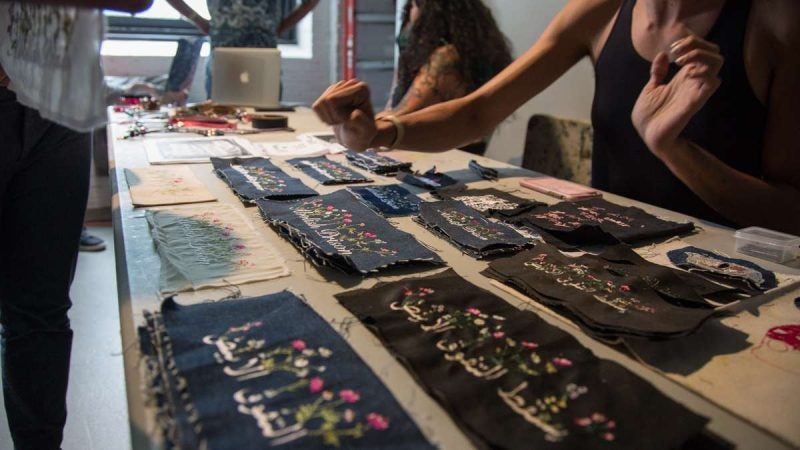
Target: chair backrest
{"points": [[559, 147]]}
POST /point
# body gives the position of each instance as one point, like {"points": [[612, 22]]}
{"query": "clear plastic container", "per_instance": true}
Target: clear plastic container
{"points": [[767, 244]]}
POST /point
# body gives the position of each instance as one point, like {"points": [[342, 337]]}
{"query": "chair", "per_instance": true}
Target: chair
{"points": [[561, 148]]}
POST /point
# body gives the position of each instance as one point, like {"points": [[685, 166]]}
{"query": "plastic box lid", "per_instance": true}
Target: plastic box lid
{"points": [[767, 244]]}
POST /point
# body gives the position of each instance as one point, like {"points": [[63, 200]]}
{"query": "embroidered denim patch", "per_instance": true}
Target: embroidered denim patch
{"points": [[268, 372], [508, 378], [328, 172], [257, 178], [489, 202], [377, 163], [468, 230], [597, 221], [390, 200], [428, 180], [337, 230], [740, 273], [605, 302]]}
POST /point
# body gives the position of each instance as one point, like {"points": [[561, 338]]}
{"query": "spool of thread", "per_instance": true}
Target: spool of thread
{"points": [[262, 121]]}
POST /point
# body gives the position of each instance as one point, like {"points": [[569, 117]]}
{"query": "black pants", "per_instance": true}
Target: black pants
{"points": [[44, 184]]}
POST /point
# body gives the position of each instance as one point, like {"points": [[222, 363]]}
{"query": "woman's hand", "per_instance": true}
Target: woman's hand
{"points": [[663, 109], [346, 106]]}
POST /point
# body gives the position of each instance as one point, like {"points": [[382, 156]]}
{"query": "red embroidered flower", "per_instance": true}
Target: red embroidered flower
{"points": [[316, 384], [347, 221], [474, 311], [625, 288], [528, 344], [563, 362], [377, 421], [370, 235], [299, 344], [349, 395], [329, 208], [498, 335]]}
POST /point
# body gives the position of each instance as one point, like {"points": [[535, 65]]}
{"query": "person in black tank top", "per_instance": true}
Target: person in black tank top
{"points": [[714, 136]]}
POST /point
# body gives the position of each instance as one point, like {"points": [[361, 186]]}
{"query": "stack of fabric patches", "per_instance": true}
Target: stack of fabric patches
{"points": [[606, 303], [377, 163], [468, 230], [428, 180], [265, 372], [255, 178], [328, 172], [597, 221], [511, 380], [489, 202], [337, 230], [741, 274], [389, 200]]}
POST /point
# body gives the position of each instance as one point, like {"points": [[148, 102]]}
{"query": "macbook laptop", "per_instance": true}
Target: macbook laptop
{"points": [[246, 77]]}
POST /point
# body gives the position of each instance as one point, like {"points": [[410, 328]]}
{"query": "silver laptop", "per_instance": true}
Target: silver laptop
{"points": [[246, 77]]}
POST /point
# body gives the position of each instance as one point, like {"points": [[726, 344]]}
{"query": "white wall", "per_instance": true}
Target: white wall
{"points": [[523, 22]]}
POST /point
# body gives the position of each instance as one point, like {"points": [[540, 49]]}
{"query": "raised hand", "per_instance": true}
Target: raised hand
{"points": [[664, 109], [346, 106]]}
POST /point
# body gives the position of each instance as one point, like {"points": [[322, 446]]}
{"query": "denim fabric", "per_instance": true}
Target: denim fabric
{"points": [[597, 221], [337, 227], [428, 180], [489, 202], [257, 178], [603, 301], [487, 173], [742, 274], [268, 372], [328, 172], [377, 163], [44, 184], [389, 200], [508, 378], [468, 230]]}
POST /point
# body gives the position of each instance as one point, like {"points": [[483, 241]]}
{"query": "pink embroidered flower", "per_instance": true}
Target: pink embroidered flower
{"points": [[611, 425], [563, 362], [348, 215], [608, 436], [427, 290], [408, 292], [583, 421], [349, 395], [498, 335], [474, 311], [299, 344], [377, 421], [316, 384], [597, 417], [370, 235], [329, 208], [625, 288], [528, 344], [347, 221]]}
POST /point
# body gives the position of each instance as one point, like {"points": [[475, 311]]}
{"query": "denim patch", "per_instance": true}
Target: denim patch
{"points": [[328, 172], [257, 178], [739, 273], [606, 303], [337, 230], [487, 173], [597, 221], [428, 180], [377, 163], [268, 372], [468, 230], [390, 200], [511, 380]]}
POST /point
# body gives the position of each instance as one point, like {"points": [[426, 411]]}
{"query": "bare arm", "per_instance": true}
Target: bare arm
{"points": [[186, 11], [296, 16], [774, 200], [131, 6], [565, 41], [437, 81]]}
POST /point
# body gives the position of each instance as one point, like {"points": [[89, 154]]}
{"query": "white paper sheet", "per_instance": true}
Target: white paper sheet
{"points": [[196, 149]]}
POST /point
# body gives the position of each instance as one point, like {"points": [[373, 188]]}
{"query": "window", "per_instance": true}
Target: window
{"points": [[161, 22]]}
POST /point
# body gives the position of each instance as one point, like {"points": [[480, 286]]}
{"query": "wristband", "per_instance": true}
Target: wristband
{"points": [[399, 128]]}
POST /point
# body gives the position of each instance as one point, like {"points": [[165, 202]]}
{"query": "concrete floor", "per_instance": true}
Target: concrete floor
{"points": [[97, 408]]}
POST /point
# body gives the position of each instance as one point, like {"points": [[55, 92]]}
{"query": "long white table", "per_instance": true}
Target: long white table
{"points": [[706, 372]]}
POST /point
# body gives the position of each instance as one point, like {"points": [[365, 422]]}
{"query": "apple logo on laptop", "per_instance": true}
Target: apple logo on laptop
{"points": [[244, 77]]}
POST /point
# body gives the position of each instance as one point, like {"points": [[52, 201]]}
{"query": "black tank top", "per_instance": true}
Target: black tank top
{"points": [[730, 126]]}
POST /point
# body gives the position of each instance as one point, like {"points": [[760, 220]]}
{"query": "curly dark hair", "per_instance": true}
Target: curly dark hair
{"points": [[467, 25]]}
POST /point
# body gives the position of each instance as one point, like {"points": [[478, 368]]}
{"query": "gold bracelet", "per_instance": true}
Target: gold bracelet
{"points": [[399, 128]]}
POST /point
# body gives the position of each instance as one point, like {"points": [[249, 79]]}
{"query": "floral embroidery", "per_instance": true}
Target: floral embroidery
{"points": [[214, 240], [262, 179], [599, 425], [579, 276], [339, 229], [333, 171], [487, 202], [476, 226], [592, 214], [484, 349]]}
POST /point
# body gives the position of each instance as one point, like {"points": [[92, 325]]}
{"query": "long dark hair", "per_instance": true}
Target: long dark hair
{"points": [[467, 25]]}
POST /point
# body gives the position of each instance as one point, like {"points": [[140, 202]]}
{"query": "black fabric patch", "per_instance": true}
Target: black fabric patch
{"points": [[489, 202], [428, 180], [375, 162]]}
